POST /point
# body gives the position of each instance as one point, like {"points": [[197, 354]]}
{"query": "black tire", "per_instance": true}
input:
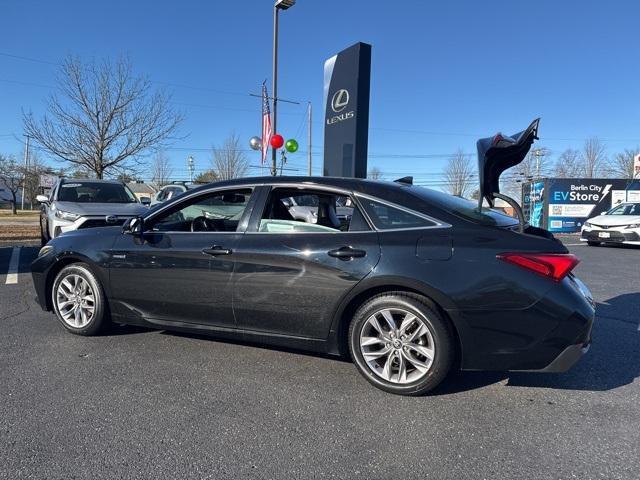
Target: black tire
{"points": [[593, 244], [440, 328], [44, 234], [99, 320]]}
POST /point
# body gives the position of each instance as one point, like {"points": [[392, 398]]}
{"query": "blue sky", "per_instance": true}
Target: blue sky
{"points": [[443, 73]]}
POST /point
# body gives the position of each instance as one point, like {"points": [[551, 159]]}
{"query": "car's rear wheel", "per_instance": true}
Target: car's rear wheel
{"points": [[593, 244], [78, 300], [401, 343]]}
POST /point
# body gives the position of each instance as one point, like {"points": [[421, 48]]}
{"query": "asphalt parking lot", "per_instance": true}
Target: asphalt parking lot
{"points": [[149, 404]]}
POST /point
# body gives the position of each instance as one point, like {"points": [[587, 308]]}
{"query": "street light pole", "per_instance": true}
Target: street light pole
{"points": [[279, 5], [274, 166]]}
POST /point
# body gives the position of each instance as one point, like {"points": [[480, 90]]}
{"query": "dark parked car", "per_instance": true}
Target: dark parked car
{"points": [[411, 283]]}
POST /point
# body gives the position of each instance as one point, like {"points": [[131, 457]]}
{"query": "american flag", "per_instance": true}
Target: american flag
{"points": [[266, 122]]}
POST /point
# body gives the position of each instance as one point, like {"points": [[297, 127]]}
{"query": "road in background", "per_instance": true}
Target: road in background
{"points": [[148, 404]]}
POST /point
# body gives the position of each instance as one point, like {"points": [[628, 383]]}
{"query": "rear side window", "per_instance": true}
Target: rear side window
{"points": [[387, 217]]}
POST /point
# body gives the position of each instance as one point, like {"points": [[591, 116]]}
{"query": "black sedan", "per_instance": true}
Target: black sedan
{"points": [[408, 281]]}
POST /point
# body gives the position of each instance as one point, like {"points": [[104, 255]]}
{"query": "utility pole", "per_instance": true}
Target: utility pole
{"points": [[26, 169], [538, 152], [190, 165], [309, 158]]}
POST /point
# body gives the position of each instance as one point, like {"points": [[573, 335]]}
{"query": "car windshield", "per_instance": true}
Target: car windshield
{"points": [[95, 192], [464, 208], [625, 209]]}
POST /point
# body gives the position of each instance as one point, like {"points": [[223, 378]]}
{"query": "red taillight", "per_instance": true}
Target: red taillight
{"points": [[553, 265]]}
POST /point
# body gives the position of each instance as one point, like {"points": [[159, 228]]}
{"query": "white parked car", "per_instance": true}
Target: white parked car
{"points": [[170, 191], [75, 204], [621, 224]]}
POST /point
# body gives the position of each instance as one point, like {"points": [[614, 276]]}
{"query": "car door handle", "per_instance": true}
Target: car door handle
{"points": [[345, 253], [217, 250]]}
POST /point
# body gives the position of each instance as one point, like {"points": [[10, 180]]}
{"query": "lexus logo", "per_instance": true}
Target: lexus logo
{"points": [[340, 100]]}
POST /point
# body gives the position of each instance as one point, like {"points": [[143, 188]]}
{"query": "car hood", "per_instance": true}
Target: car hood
{"points": [[614, 220], [98, 209], [498, 153]]}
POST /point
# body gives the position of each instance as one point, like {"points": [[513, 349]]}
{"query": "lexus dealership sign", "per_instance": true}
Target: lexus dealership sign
{"points": [[346, 112]]}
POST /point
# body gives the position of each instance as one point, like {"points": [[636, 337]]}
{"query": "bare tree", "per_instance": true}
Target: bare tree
{"points": [[32, 178], [593, 157], [11, 178], [621, 166], [207, 176], [374, 174], [229, 160], [161, 170], [459, 174], [568, 164], [103, 118]]}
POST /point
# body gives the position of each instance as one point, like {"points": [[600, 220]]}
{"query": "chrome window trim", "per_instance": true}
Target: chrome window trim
{"points": [[438, 224]]}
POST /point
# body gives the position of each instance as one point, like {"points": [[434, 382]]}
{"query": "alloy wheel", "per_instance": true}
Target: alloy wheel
{"points": [[397, 345], [76, 301]]}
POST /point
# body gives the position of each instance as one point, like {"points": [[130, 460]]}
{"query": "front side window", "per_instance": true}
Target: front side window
{"points": [[387, 217], [297, 210], [95, 192], [211, 212]]}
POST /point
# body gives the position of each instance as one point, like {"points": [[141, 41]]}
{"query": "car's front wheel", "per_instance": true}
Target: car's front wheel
{"points": [[401, 343], [79, 301], [44, 232]]}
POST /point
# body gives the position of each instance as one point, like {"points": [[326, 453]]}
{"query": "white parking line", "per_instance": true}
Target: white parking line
{"points": [[14, 262], [575, 244]]}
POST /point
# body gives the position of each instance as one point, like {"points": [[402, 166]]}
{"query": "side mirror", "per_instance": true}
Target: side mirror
{"points": [[287, 202], [42, 199], [146, 201], [134, 226]]}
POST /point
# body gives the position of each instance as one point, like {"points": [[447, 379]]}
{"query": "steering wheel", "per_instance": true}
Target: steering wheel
{"points": [[203, 224]]}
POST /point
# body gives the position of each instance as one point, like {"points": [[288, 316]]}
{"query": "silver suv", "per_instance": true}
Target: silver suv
{"points": [[75, 204]]}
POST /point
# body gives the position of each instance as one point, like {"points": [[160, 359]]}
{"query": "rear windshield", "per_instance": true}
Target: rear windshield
{"points": [[95, 192], [464, 208]]}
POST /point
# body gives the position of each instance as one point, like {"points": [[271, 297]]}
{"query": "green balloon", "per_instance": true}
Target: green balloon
{"points": [[291, 145]]}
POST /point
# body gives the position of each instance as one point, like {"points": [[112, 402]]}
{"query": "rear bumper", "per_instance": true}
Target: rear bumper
{"points": [[549, 336]]}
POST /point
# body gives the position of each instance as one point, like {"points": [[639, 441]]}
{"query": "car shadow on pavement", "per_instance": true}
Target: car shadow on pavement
{"points": [[612, 361]]}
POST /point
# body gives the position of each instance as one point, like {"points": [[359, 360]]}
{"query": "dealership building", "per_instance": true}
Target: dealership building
{"points": [[563, 204]]}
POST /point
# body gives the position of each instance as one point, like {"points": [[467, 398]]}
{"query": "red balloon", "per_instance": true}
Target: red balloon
{"points": [[277, 141]]}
